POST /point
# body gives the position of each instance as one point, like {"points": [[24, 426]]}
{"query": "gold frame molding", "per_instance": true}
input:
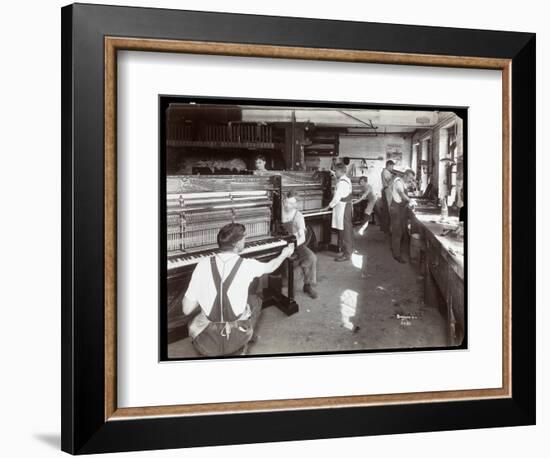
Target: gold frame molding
{"points": [[114, 44]]}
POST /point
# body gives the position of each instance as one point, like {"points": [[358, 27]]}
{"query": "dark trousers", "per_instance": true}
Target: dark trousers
{"points": [[346, 235], [307, 261], [385, 219], [399, 234]]}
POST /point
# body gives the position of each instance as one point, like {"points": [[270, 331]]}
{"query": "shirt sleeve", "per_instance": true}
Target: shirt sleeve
{"points": [[398, 184], [301, 229], [371, 200], [254, 268], [370, 194], [193, 289], [300, 222]]}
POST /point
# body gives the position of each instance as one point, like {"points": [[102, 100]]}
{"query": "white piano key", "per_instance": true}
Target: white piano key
{"points": [[190, 259]]}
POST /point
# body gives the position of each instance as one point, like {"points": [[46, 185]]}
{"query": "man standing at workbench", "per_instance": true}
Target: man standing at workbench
{"points": [[387, 180], [398, 213]]}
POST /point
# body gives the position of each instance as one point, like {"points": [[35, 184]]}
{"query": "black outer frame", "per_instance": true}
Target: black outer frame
{"points": [[84, 429]]}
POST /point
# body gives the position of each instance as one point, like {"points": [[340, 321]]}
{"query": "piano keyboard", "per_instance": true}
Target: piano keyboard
{"points": [[189, 259]]}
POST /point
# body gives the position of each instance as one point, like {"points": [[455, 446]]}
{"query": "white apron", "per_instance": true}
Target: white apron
{"points": [[338, 209]]}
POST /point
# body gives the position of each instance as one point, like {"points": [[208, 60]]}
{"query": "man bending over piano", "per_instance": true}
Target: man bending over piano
{"points": [[294, 224], [219, 287], [368, 196]]}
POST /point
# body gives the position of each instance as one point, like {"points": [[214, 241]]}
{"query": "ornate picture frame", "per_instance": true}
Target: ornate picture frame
{"points": [[92, 35]]}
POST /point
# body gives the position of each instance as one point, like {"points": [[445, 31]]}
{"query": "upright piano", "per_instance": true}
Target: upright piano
{"points": [[197, 207], [314, 193]]}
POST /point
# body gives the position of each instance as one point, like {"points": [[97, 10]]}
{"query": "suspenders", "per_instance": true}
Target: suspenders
{"points": [[225, 333], [221, 309]]}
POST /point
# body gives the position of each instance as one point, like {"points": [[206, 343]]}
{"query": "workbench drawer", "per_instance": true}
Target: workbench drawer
{"points": [[455, 302]]}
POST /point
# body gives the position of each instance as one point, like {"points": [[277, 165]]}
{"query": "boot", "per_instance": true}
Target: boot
{"points": [[308, 289], [399, 259], [342, 258]]}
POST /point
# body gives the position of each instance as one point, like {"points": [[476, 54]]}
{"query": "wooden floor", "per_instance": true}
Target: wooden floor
{"points": [[387, 306]]}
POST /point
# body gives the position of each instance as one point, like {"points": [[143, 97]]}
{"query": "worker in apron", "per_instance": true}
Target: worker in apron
{"points": [[341, 205], [219, 287]]}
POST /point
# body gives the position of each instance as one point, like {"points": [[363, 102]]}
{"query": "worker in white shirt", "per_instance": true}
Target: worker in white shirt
{"points": [[219, 286], [341, 212], [293, 222], [387, 180], [367, 196], [398, 213]]}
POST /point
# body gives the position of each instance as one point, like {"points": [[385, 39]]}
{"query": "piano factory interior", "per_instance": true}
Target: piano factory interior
{"points": [[358, 214]]}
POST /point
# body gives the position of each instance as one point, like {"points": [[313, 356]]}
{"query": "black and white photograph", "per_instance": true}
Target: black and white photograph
{"points": [[300, 228], [265, 229]]}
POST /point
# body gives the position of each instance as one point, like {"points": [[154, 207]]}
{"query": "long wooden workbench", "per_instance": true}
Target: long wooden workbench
{"points": [[443, 266]]}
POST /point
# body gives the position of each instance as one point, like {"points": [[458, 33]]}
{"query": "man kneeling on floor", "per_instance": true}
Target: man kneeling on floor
{"points": [[294, 224], [219, 287]]}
